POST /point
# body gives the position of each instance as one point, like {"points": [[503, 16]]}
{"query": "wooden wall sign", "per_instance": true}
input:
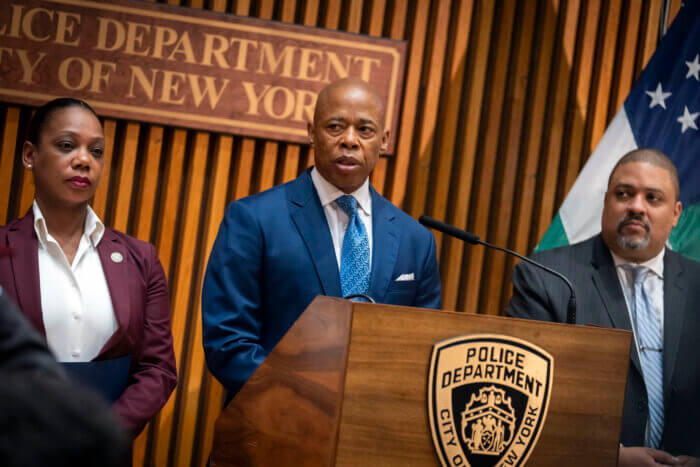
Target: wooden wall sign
{"points": [[186, 67]]}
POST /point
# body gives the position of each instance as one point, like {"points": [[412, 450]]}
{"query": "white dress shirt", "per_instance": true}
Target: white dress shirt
{"points": [[653, 285], [336, 217], [75, 301]]}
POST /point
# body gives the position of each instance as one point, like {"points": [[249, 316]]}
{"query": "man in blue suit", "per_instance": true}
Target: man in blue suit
{"points": [[277, 250]]}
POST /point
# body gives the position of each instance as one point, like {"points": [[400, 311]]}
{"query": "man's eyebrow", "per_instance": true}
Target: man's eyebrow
{"points": [[643, 188], [368, 120]]}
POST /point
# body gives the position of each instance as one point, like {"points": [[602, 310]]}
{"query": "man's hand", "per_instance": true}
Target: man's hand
{"points": [[688, 461], [646, 457]]}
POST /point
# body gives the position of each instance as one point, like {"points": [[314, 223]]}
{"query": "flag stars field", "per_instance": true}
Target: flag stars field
{"points": [[694, 68], [688, 120], [658, 97]]}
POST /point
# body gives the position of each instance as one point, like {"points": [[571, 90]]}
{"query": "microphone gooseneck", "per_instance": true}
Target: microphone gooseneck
{"points": [[475, 240]]}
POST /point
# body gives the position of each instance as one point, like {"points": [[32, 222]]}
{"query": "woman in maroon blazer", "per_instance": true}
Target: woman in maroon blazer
{"points": [[94, 293]]}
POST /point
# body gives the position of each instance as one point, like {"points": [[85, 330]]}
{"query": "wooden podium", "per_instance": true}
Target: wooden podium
{"points": [[348, 385]]}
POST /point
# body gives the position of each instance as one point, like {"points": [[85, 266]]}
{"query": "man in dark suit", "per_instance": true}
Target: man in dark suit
{"points": [[627, 275], [277, 250]]}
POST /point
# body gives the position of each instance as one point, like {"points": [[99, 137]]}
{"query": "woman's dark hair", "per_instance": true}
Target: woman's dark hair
{"points": [[43, 114]]}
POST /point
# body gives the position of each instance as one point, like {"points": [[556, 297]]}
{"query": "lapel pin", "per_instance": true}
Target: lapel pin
{"points": [[116, 257]]}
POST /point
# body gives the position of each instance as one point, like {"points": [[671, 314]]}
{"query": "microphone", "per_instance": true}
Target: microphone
{"points": [[475, 240]]}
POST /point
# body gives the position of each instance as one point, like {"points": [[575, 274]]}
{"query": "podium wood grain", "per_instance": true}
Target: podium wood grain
{"points": [[347, 386], [288, 412]]}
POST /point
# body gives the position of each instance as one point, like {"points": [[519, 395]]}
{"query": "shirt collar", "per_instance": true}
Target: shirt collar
{"points": [[94, 228], [40, 225], [655, 264], [327, 192]]}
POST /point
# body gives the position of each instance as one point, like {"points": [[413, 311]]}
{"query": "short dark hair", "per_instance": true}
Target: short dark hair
{"points": [[653, 157], [44, 113]]}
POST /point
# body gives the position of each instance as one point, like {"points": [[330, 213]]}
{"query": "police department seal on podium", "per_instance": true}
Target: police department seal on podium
{"points": [[488, 397]]}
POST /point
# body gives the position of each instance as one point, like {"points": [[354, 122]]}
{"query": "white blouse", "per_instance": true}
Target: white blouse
{"points": [[75, 301]]}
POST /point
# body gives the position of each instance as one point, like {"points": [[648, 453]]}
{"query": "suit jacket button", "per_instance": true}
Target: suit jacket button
{"points": [[641, 406]]}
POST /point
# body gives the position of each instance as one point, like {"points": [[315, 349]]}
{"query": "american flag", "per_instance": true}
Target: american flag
{"points": [[663, 112]]}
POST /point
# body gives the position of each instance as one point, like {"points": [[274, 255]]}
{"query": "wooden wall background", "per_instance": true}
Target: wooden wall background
{"points": [[503, 103]]}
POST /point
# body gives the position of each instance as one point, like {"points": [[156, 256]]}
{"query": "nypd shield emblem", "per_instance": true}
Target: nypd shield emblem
{"points": [[488, 397]]}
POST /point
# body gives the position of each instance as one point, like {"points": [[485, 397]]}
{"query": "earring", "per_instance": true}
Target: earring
{"points": [[29, 166]]}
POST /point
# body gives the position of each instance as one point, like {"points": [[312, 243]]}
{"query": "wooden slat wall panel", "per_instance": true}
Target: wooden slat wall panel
{"points": [[211, 392], [146, 207], [555, 117], [127, 165], [453, 263], [604, 91], [447, 138], [511, 137], [503, 102], [181, 281], [99, 204], [487, 146], [27, 192], [491, 137], [190, 356], [410, 106], [432, 78], [8, 161], [588, 25], [628, 52]]}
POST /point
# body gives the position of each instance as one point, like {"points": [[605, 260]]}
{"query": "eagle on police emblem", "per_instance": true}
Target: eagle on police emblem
{"points": [[487, 399]]}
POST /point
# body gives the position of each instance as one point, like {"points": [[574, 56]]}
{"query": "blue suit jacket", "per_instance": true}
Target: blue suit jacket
{"points": [[274, 254]]}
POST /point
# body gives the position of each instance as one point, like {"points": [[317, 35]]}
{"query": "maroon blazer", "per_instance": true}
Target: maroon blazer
{"points": [[139, 294]]}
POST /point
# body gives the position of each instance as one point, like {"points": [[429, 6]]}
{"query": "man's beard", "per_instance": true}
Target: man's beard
{"points": [[627, 243]]}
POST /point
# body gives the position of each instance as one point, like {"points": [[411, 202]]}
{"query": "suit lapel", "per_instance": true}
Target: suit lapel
{"points": [[608, 285], [114, 259], [674, 314], [385, 246], [308, 216], [24, 246]]}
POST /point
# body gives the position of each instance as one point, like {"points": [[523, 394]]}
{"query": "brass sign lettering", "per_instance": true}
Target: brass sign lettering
{"points": [[186, 67]]}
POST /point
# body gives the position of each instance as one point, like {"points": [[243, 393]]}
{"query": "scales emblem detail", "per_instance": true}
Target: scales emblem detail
{"points": [[488, 421]]}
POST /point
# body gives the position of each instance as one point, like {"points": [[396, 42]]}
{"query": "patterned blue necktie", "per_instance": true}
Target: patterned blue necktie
{"points": [[354, 258], [651, 344]]}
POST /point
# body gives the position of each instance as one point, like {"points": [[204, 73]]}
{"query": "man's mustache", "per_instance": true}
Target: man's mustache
{"points": [[633, 217]]}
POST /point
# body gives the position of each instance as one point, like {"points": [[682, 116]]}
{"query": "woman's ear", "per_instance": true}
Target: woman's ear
{"points": [[29, 155]]}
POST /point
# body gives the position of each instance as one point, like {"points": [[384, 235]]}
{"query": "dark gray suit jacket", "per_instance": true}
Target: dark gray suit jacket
{"points": [[590, 268]]}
